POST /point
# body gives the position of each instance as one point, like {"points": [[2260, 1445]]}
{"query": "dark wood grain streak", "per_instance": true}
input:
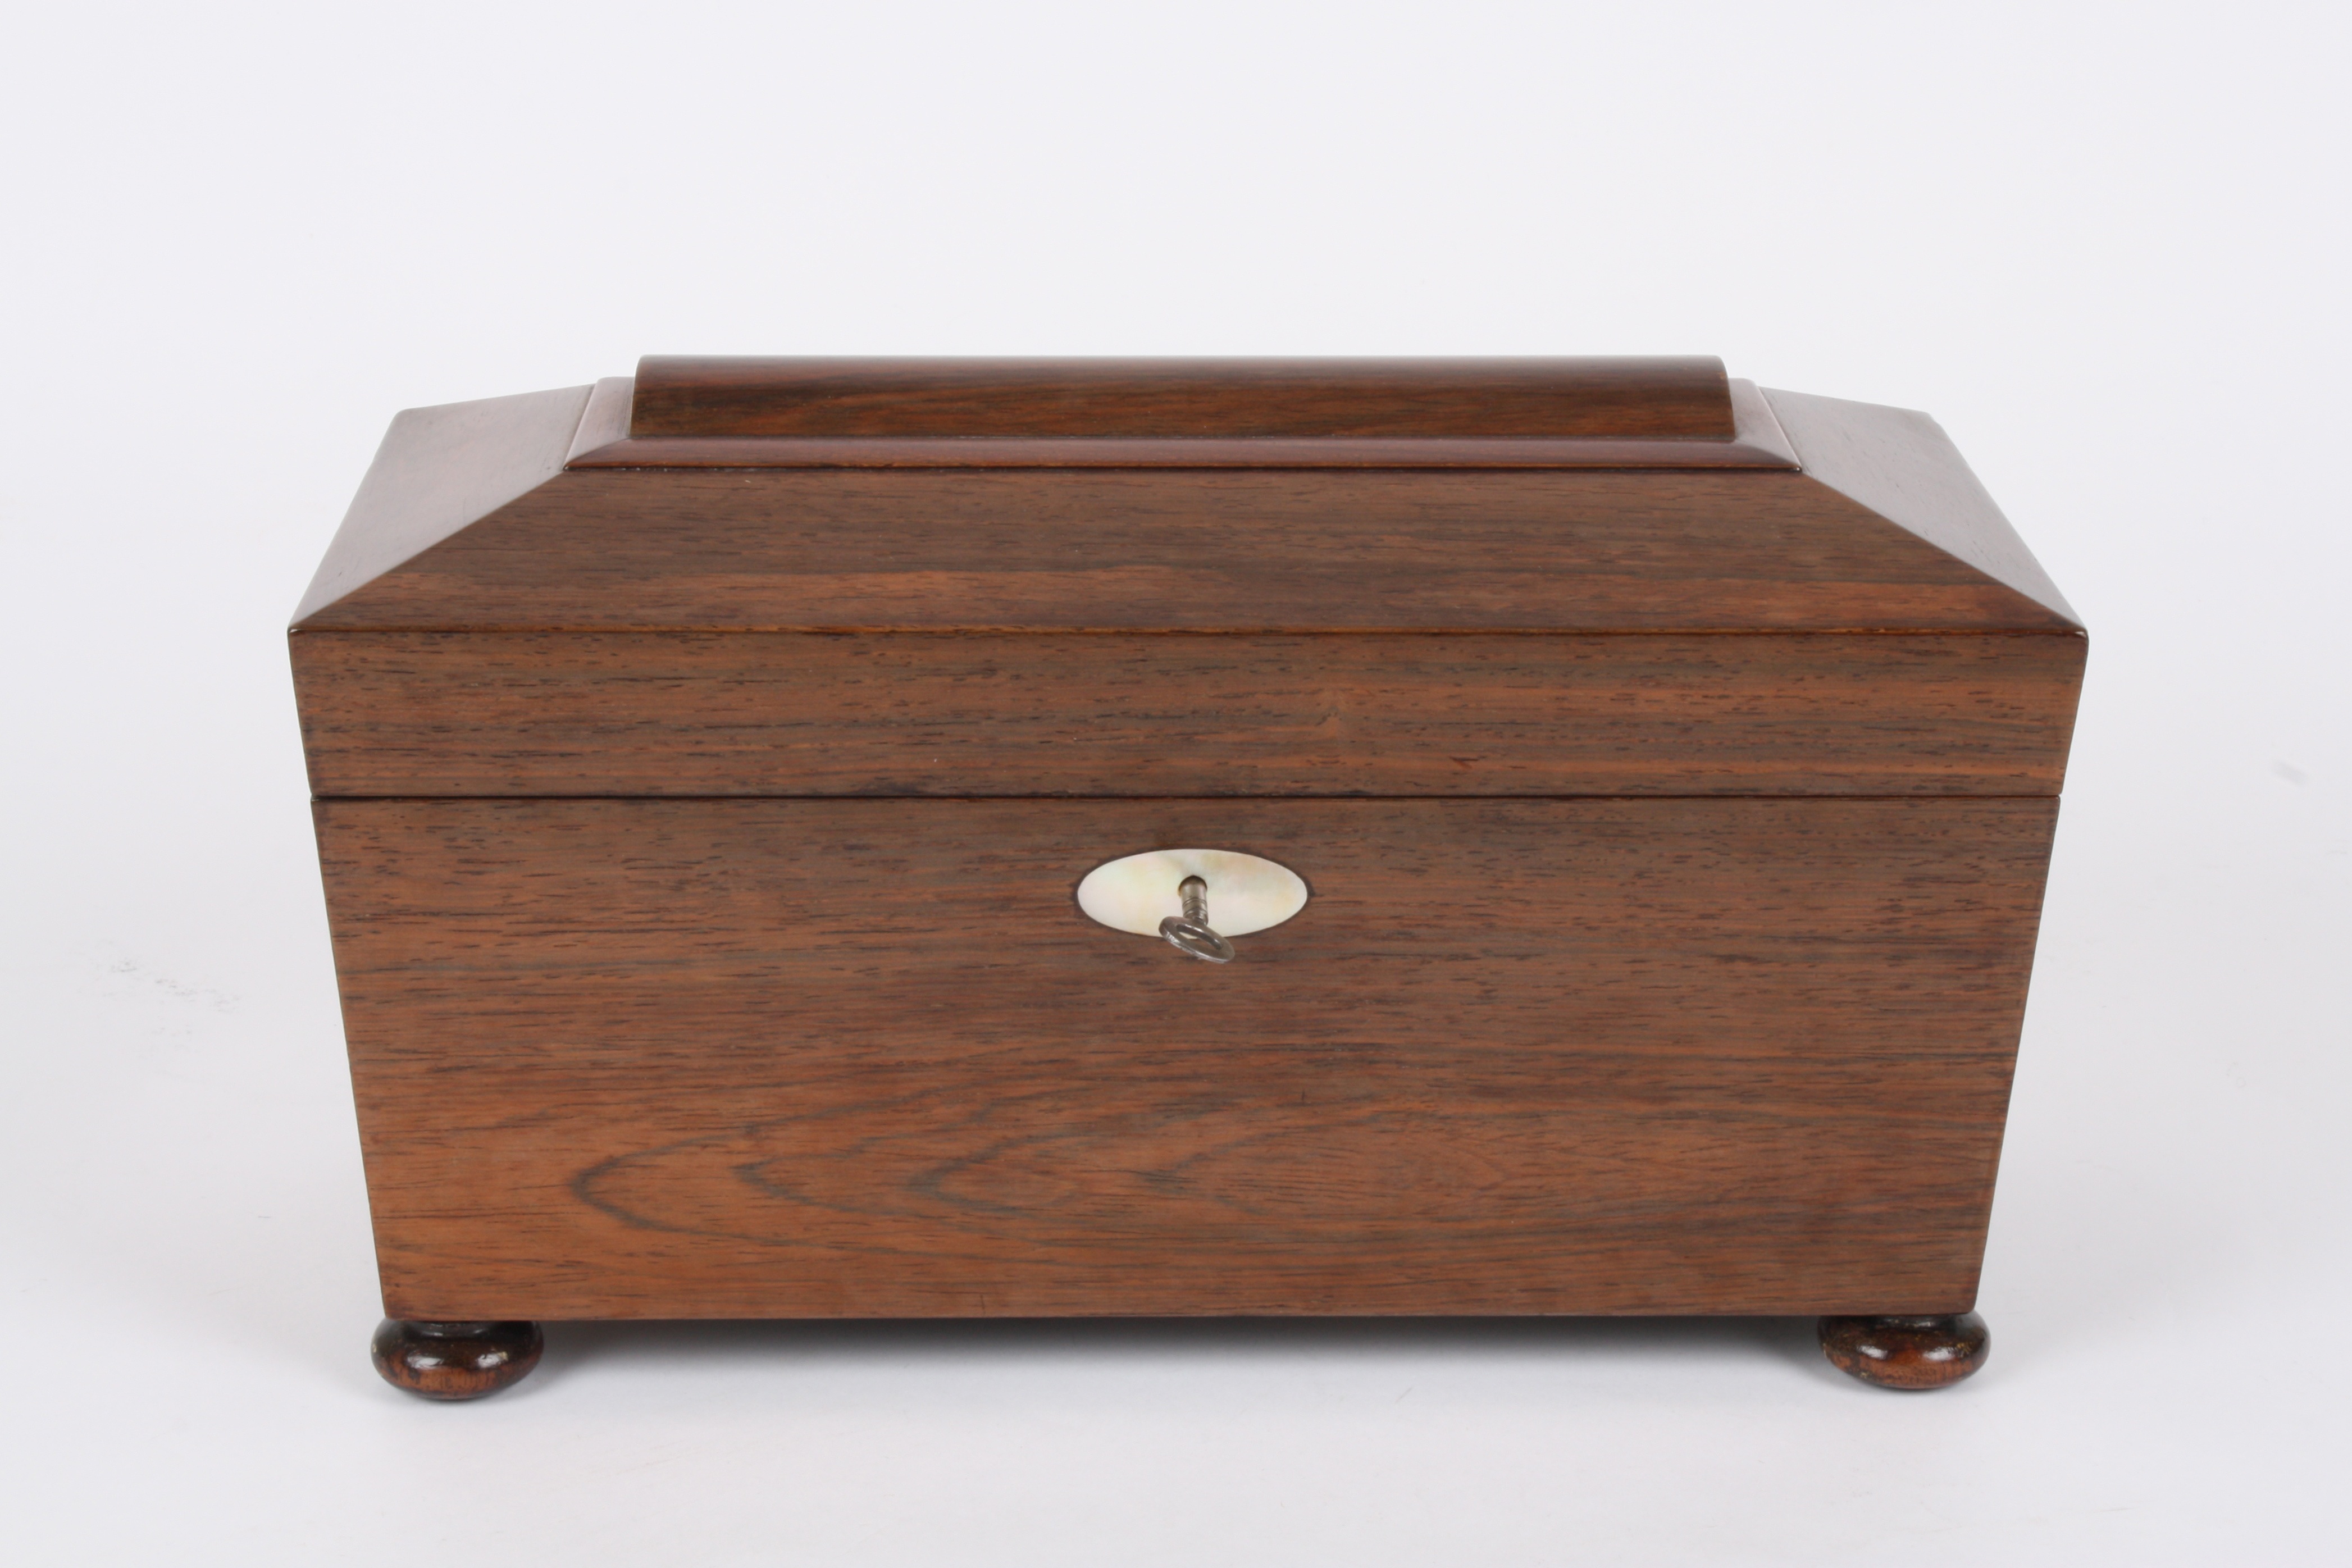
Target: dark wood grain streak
{"points": [[1181, 398], [648, 1058], [1169, 550], [433, 714]]}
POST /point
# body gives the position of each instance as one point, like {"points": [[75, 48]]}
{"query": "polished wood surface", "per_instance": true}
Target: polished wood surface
{"points": [[439, 471], [1181, 398], [1901, 466], [602, 441], [454, 1360], [657, 1059], [535, 714], [1148, 550], [1674, 766], [1906, 1352]]}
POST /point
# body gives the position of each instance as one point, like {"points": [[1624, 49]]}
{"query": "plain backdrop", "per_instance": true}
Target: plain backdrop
{"points": [[2105, 245]]}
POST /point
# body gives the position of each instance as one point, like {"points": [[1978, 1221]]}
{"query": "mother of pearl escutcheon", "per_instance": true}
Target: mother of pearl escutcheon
{"points": [[1246, 893]]}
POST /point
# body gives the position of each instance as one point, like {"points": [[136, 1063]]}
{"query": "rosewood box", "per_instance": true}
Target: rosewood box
{"points": [[871, 838]]}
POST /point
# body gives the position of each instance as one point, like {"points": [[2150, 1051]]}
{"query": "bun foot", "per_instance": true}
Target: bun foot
{"points": [[454, 1361], [1906, 1352]]}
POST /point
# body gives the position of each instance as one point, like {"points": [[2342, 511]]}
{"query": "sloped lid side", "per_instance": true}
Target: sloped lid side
{"points": [[1900, 464], [438, 470], [1176, 551]]}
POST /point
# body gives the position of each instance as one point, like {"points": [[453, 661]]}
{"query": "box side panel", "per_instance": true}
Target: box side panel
{"points": [[476, 714], [709, 1058]]}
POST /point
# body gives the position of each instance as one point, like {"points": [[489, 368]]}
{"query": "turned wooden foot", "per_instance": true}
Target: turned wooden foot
{"points": [[1906, 1352], [454, 1361]]}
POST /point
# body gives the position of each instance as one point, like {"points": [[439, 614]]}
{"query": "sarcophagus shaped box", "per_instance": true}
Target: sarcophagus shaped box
{"points": [[752, 797]]}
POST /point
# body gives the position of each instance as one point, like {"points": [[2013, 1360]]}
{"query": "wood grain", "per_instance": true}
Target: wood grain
{"points": [[1181, 398], [1902, 466], [1756, 441], [437, 471], [1741, 1047], [705, 1058], [438, 714], [1177, 550]]}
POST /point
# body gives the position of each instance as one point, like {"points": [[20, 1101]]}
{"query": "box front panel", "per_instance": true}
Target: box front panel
{"points": [[817, 1057]]}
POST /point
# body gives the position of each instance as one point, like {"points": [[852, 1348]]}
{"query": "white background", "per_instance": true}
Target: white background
{"points": [[2105, 245]]}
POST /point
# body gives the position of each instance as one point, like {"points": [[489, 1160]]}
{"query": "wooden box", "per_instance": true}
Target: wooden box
{"points": [[705, 766]]}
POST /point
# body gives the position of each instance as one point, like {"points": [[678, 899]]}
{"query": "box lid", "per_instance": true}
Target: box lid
{"points": [[1560, 495], [804, 577]]}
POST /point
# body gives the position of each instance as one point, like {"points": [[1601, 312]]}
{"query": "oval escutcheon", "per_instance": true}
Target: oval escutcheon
{"points": [[1136, 892]]}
